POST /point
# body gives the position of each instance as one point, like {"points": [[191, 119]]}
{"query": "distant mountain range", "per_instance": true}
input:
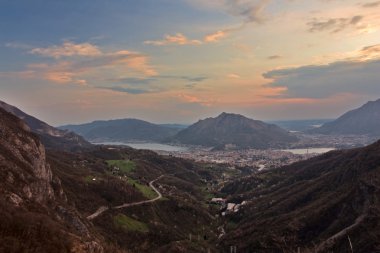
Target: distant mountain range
{"points": [[124, 130], [50, 136], [364, 120], [235, 131]]}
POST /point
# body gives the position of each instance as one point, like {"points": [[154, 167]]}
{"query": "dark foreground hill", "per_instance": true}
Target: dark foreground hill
{"points": [[236, 130], [320, 205], [122, 130], [45, 198], [34, 213], [363, 121], [50, 136]]}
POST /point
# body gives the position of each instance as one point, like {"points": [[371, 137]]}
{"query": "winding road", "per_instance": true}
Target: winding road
{"points": [[102, 209]]}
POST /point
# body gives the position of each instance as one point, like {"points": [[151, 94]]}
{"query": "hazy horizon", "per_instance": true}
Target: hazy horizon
{"points": [[164, 122]]}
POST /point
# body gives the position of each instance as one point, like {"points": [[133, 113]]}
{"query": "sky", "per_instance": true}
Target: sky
{"points": [[177, 61]]}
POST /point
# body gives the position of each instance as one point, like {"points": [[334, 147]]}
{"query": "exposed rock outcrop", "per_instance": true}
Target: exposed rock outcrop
{"points": [[34, 215], [23, 162]]}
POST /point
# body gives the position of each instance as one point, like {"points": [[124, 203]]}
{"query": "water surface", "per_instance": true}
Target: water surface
{"points": [[147, 145], [302, 151]]}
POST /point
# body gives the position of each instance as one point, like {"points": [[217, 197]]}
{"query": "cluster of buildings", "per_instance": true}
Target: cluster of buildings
{"points": [[270, 158], [227, 208], [335, 141], [259, 159]]}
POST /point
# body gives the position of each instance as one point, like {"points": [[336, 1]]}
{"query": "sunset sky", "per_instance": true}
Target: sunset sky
{"points": [[166, 61]]}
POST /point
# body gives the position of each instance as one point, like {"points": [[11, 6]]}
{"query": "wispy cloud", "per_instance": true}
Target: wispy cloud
{"points": [[134, 85], [369, 53], [79, 63], [181, 40], [68, 49], [134, 80], [275, 57], [371, 4], [250, 11], [355, 75], [188, 98], [335, 25], [190, 81], [186, 78], [129, 90], [177, 39], [233, 76], [215, 37], [124, 60], [18, 45]]}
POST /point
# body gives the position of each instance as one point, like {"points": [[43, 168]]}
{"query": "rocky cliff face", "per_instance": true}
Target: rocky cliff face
{"points": [[34, 214], [23, 162]]}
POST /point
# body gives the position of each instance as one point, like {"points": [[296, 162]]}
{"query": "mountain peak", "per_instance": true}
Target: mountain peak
{"points": [[225, 116], [375, 103], [228, 114], [235, 129]]}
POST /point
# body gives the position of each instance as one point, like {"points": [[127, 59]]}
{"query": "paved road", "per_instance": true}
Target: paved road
{"points": [[102, 209], [98, 212]]}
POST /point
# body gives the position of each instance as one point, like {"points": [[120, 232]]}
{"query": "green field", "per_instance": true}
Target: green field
{"points": [[126, 166], [130, 224], [144, 189], [88, 179]]}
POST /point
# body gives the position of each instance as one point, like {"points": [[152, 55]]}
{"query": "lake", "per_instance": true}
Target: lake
{"points": [[302, 151], [146, 145]]}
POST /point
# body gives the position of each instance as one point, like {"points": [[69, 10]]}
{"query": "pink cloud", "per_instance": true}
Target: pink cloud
{"points": [[214, 37], [68, 49], [177, 39], [88, 61]]}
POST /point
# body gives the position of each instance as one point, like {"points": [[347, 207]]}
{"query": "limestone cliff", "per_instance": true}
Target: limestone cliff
{"points": [[34, 213]]}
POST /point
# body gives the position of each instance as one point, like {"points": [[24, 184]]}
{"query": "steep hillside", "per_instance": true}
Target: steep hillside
{"points": [[236, 130], [47, 199], [316, 205], [161, 226], [364, 120], [122, 130], [50, 136], [34, 214]]}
